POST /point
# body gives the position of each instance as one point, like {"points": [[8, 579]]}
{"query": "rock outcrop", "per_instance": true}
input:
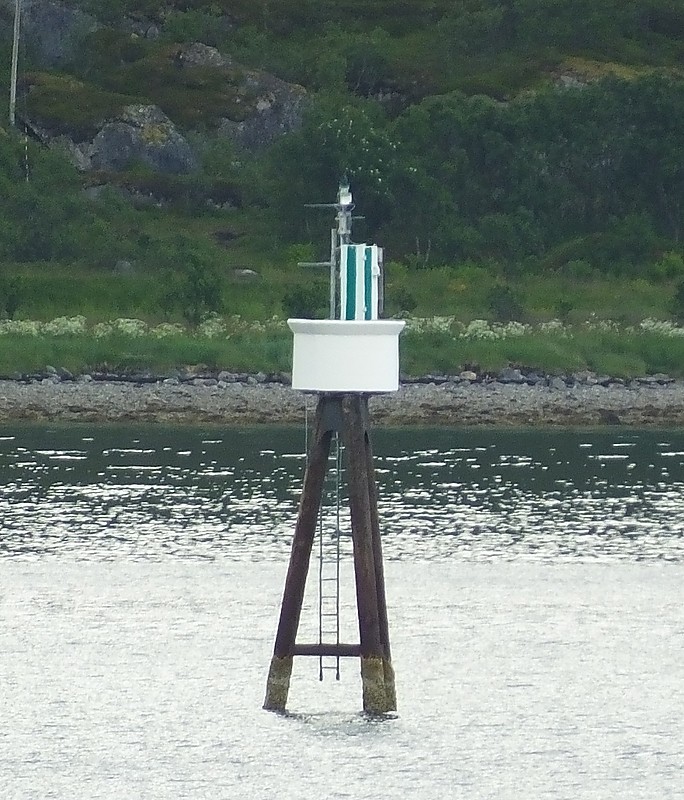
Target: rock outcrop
{"points": [[260, 108], [142, 134], [52, 30], [272, 106]]}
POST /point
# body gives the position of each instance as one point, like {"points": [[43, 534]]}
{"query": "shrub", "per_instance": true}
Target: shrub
{"points": [[670, 265], [563, 308], [503, 304], [10, 296], [65, 326], [402, 301], [196, 290], [306, 302], [678, 302], [578, 268]]}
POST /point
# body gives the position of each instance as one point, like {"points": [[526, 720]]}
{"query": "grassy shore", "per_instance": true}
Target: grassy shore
{"points": [[438, 345]]}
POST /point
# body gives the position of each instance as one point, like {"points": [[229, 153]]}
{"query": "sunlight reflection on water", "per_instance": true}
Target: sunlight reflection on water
{"points": [[146, 678], [535, 595], [152, 492]]}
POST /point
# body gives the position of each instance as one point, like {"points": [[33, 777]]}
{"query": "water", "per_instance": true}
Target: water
{"points": [[146, 493], [535, 585]]}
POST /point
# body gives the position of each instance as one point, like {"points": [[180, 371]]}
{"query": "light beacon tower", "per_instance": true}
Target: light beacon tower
{"points": [[343, 360]]}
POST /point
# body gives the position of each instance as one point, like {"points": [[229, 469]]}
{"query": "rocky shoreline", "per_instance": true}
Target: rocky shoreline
{"points": [[510, 398]]}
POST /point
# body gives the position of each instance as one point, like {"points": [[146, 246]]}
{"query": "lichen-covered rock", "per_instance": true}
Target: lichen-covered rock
{"points": [[51, 29], [271, 107], [278, 109], [202, 55], [141, 134]]}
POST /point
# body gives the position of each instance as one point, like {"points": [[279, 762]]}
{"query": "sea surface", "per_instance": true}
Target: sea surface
{"points": [[535, 583]]}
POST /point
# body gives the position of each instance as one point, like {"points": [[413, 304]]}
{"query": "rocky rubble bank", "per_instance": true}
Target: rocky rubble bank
{"points": [[510, 398]]}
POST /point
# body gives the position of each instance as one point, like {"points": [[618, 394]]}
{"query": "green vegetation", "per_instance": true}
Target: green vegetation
{"points": [[26, 354], [518, 159], [439, 345]]}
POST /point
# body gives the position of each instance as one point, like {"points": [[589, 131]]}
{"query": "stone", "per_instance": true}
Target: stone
{"points": [[142, 134], [245, 275], [278, 109], [467, 375], [557, 383], [143, 28], [199, 54], [271, 107], [585, 377], [510, 375]]}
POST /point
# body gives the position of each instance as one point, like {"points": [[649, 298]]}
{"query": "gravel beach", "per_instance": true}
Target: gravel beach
{"points": [[512, 400]]}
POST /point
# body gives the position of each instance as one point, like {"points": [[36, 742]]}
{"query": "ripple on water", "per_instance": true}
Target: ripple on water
{"points": [[148, 493]]}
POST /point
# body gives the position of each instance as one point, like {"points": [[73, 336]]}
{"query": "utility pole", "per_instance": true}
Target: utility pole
{"points": [[15, 60]]}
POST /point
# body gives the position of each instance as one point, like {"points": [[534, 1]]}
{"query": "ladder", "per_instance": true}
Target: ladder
{"points": [[329, 564]]}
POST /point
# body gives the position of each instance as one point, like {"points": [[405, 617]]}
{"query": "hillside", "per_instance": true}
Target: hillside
{"points": [[517, 158]]}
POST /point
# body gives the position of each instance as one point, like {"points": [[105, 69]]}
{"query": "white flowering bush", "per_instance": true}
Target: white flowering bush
{"points": [[65, 326], [512, 330], [19, 327], [221, 327], [356, 141], [434, 324], [480, 329], [554, 327], [213, 327], [102, 330], [166, 329], [236, 324], [276, 323], [129, 327], [602, 325], [661, 328]]}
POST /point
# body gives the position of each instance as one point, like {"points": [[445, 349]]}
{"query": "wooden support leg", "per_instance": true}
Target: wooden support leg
{"points": [[375, 695], [278, 683], [379, 573]]}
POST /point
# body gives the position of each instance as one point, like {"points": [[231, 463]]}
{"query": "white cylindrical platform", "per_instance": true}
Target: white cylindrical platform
{"points": [[345, 355]]}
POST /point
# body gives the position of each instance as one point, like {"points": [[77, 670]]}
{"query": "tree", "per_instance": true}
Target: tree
{"points": [[195, 288]]}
